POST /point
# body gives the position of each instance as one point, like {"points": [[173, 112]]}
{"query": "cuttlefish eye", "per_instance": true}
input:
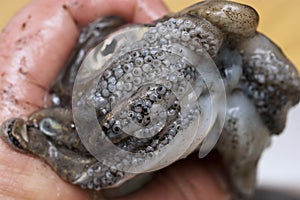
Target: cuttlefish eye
{"points": [[14, 132]]}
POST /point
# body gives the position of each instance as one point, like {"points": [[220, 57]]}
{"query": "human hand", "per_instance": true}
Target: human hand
{"points": [[33, 48]]}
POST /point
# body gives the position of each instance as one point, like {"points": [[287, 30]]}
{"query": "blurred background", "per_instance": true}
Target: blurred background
{"points": [[279, 20]]}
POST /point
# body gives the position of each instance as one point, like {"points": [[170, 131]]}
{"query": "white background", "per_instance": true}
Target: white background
{"points": [[280, 163]]}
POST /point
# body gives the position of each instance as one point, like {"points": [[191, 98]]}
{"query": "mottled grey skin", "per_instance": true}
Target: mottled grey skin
{"points": [[261, 85]]}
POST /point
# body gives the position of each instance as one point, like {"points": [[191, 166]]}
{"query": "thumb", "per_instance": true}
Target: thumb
{"points": [[189, 179]]}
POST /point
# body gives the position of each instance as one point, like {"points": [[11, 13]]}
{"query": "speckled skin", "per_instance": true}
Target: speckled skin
{"points": [[261, 85]]}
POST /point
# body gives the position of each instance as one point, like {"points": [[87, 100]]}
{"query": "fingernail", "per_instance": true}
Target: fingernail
{"points": [[154, 8]]}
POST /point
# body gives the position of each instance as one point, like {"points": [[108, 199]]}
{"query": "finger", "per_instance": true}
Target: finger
{"points": [[33, 47], [24, 177], [37, 41], [189, 179], [140, 11]]}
